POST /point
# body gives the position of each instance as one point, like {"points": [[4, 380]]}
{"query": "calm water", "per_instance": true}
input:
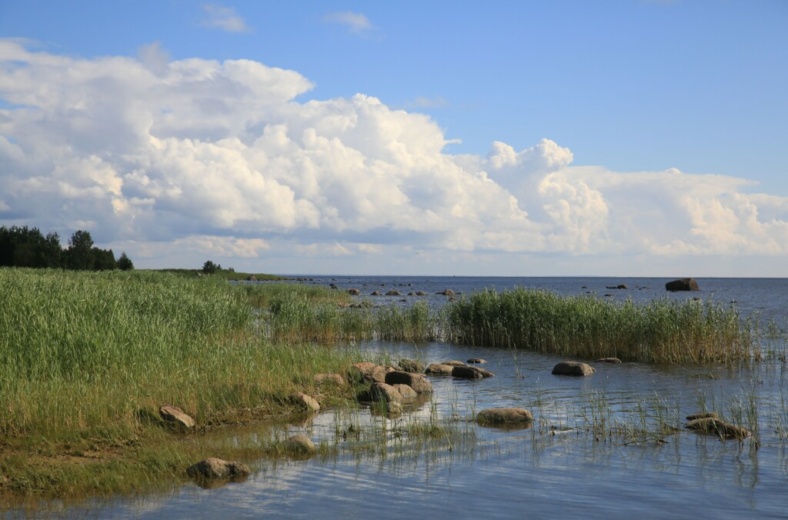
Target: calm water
{"points": [[556, 469]]}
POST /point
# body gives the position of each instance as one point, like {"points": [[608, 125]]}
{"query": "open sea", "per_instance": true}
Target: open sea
{"points": [[582, 458]]}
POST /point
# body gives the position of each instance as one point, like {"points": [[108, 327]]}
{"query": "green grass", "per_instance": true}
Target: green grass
{"points": [[87, 358], [587, 327]]}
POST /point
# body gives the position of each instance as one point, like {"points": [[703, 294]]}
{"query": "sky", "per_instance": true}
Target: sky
{"points": [[497, 138]]}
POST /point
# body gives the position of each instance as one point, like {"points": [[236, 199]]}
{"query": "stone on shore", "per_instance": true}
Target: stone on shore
{"points": [[176, 417], [305, 402], [213, 468], [439, 369], [300, 445], [418, 382]]}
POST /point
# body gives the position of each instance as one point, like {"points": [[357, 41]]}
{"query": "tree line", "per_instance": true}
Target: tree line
{"points": [[28, 247]]}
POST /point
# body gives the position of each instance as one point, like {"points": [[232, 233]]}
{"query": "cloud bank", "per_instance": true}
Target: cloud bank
{"points": [[221, 158]]}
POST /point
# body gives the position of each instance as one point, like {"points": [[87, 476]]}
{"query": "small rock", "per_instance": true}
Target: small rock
{"points": [[447, 292], [572, 368], [212, 468], [393, 292], [504, 416], [354, 292], [476, 361], [613, 360], [305, 402], [334, 379], [300, 444], [176, 416], [465, 372], [411, 365]]}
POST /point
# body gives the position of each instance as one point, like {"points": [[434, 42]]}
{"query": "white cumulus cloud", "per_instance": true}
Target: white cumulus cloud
{"points": [[195, 156]]}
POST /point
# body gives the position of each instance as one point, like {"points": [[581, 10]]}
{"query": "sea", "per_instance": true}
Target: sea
{"points": [[608, 446]]}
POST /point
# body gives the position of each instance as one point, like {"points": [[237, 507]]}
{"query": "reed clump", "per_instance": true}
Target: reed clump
{"points": [[662, 331]]}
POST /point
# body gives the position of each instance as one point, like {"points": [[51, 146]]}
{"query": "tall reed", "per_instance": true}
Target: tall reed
{"points": [[662, 331]]}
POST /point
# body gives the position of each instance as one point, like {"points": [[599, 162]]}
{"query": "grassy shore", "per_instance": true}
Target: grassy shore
{"points": [[87, 359]]}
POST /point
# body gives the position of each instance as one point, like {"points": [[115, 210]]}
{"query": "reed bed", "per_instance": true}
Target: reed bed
{"points": [[662, 331], [294, 317]]}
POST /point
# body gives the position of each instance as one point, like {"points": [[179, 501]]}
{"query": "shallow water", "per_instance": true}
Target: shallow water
{"points": [[582, 458]]}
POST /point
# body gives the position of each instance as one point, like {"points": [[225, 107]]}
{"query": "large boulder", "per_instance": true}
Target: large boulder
{"points": [[370, 372], [174, 416], [502, 416], [381, 392], [213, 468], [418, 382], [573, 368], [682, 284]]}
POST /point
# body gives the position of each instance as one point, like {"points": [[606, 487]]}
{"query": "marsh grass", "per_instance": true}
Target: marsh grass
{"points": [[87, 359], [662, 331]]}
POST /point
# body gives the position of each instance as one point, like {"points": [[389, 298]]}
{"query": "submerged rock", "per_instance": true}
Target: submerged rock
{"points": [[702, 415], [497, 416], [176, 417], [613, 360], [466, 372], [715, 426], [476, 361], [300, 445], [439, 369], [573, 368], [213, 468]]}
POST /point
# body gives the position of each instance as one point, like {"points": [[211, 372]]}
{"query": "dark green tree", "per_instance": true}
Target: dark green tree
{"points": [[79, 255], [209, 267], [125, 263]]}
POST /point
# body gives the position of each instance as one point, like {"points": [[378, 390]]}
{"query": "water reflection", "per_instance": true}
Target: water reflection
{"points": [[610, 446]]}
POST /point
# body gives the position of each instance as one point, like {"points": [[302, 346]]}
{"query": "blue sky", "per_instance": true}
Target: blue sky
{"points": [[516, 138]]}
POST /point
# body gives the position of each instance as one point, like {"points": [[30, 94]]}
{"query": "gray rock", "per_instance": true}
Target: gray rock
{"points": [[416, 381], [572, 368], [439, 369], [496, 416], [466, 372], [613, 360], [300, 444], [213, 468]]}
